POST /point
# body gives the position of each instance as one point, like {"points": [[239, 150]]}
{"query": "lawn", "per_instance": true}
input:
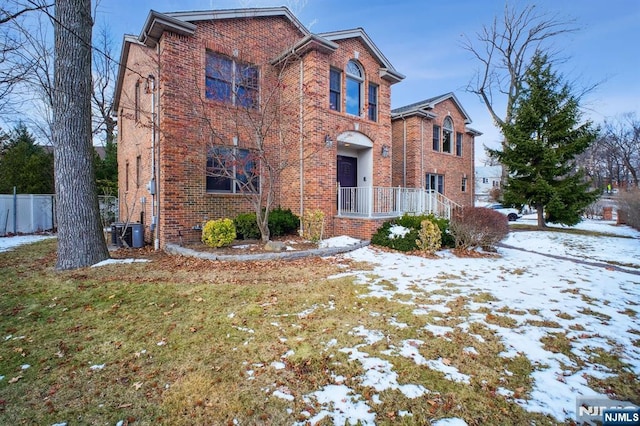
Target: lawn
{"points": [[327, 341]]}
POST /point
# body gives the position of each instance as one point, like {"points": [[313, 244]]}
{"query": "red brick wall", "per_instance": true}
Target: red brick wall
{"points": [[190, 123], [134, 140], [419, 138], [357, 228], [319, 161]]}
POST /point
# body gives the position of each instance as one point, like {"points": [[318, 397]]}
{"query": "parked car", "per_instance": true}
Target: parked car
{"points": [[511, 213]]}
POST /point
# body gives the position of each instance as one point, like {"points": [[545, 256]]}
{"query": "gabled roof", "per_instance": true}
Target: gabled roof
{"points": [[182, 22], [126, 45], [427, 105], [424, 108], [387, 71]]}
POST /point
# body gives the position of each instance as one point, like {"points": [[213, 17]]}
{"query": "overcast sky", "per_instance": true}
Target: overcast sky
{"points": [[423, 41]]}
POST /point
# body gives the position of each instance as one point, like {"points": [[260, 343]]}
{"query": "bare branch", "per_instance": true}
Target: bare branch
{"points": [[504, 51]]}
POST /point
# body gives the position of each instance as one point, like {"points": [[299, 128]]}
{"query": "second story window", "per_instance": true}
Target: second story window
{"points": [[334, 89], [355, 78], [459, 144], [436, 137], [230, 81], [373, 102], [447, 135]]}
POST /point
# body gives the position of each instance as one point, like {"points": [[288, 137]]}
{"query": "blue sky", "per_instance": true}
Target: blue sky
{"points": [[423, 40]]}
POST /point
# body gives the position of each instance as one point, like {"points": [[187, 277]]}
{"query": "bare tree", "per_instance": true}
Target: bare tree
{"points": [[104, 75], [622, 139], [504, 51], [16, 63], [81, 240], [267, 125]]}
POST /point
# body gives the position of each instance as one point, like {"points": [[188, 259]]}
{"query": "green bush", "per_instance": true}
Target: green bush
{"points": [[429, 237], [413, 224], [218, 233], [479, 227], [247, 226], [282, 222]]}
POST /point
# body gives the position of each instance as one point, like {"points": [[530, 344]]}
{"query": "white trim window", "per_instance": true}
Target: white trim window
{"points": [[232, 170], [447, 135], [355, 79], [230, 81], [335, 92]]}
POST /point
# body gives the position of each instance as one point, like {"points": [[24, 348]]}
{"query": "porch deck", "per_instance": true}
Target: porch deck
{"points": [[381, 202]]}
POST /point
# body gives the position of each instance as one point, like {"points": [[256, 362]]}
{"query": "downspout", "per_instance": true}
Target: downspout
{"points": [[301, 130], [472, 178], [156, 156], [404, 151], [422, 183], [153, 184]]}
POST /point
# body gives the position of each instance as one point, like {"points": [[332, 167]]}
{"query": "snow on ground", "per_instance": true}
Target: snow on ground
{"points": [[8, 243], [342, 241], [595, 304], [118, 261]]}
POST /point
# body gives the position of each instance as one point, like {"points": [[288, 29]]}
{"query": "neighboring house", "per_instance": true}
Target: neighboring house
{"points": [[433, 148], [196, 86], [488, 179]]}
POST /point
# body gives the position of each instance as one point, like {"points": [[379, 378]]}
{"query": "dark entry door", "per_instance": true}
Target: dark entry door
{"points": [[347, 171]]}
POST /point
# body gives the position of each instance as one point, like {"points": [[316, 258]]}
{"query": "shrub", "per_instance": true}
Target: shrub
{"points": [[594, 210], [313, 225], [629, 208], [247, 226], [390, 235], [282, 222], [429, 237], [476, 227], [445, 235], [218, 233]]}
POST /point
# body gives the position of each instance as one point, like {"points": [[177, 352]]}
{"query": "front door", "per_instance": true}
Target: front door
{"points": [[347, 178], [347, 171]]}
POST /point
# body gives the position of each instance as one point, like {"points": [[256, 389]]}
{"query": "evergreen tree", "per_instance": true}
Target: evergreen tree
{"points": [[540, 148], [107, 169], [25, 165]]}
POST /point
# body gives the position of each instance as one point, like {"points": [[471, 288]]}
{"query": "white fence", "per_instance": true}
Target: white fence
{"points": [[26, 213], [376, 201]]}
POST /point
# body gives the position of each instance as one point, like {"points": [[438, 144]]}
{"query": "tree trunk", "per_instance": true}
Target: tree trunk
{"points": [[81, 240], [541, 222]]}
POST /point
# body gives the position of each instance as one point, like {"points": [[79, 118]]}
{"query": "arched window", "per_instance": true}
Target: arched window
{"points": [[447, 135], [355, 78]]}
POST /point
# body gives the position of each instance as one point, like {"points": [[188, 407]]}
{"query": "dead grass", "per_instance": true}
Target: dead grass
{"points": [[182, 341]]}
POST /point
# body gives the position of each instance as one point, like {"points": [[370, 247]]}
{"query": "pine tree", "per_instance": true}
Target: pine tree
{"points": [[107, 169], [24, 164], [540, 148]]}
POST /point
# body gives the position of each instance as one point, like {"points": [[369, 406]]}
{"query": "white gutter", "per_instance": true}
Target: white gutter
{"points": [[153, 185], [301, 124]]}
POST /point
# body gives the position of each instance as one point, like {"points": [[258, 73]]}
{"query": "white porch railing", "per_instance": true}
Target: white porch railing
{"points": [[377, 201]]}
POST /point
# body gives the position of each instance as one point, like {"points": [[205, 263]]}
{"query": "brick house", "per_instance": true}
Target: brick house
{"points": [[199, 93], [434, 149]]}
